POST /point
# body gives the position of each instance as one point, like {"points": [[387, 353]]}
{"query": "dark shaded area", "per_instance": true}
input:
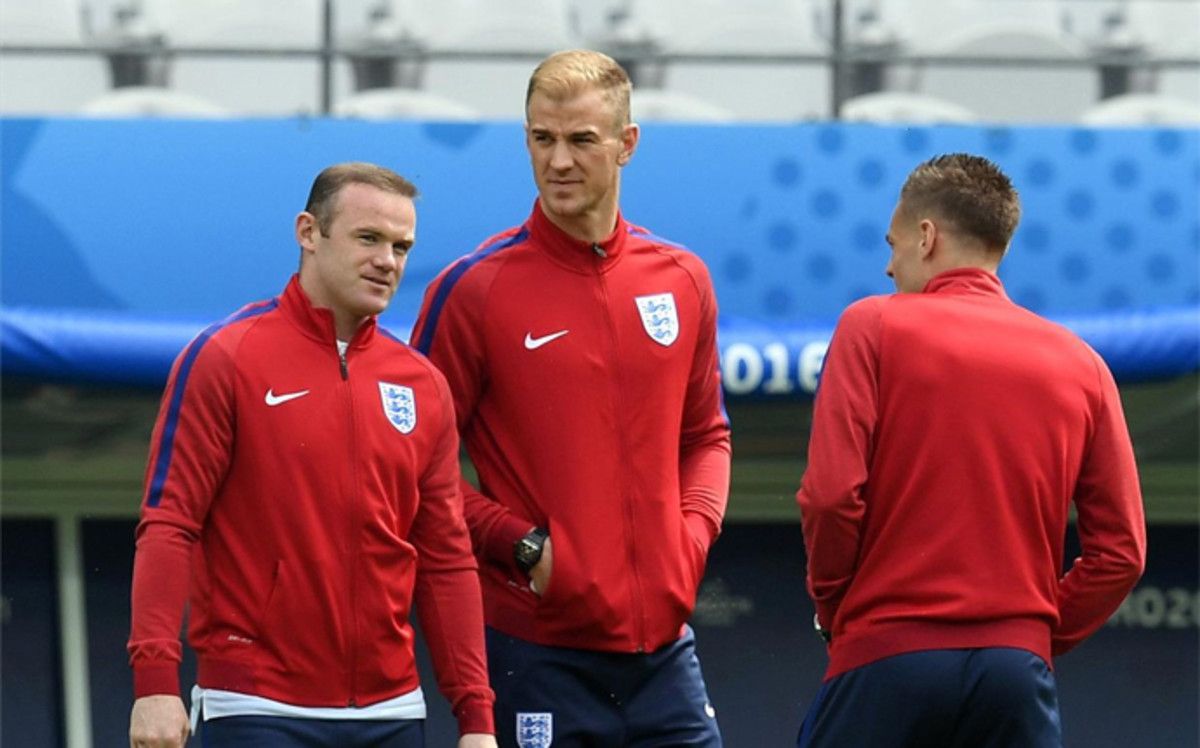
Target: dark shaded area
{"points": [[30, 681], [108, 570]]}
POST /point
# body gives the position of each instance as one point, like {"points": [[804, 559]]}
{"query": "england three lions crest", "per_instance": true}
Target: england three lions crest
{"points": [[659, 317], [535, 729], [399, 405]]}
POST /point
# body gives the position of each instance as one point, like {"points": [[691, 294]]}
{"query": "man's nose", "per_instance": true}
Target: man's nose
{"points": [[560, 156], [385, 260]]}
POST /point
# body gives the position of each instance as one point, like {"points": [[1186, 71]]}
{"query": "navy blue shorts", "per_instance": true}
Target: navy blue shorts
{"points": [[581, 698], [289, 732], [968, 698]]}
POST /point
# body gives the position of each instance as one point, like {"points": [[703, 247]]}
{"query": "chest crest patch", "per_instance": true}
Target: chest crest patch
{"points": [[659, 317], [399, 405]]}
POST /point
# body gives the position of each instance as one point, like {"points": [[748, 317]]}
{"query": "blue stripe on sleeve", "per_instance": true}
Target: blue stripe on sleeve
{"points": [[642, 233], [721, 392], [167, 441], [447, 285]]}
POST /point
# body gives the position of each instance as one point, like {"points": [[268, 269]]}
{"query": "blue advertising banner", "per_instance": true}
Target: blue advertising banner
{"points": [[121, 238]]}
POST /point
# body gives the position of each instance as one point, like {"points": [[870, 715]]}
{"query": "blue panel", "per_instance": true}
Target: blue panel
{"points": [[160, 220], [187, 218]]}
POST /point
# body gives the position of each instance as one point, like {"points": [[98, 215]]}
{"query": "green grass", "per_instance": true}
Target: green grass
{"points": [[764, 488], [85, 450]]}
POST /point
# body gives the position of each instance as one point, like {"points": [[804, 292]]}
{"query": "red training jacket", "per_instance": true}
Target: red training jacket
{"points": [[586, 382], [951, 431], [305, 500]]}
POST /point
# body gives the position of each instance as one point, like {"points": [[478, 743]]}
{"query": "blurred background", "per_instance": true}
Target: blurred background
{"points": [[154, 153]]}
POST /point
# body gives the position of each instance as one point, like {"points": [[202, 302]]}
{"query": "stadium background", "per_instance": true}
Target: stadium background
{"points": [[122, 234]]}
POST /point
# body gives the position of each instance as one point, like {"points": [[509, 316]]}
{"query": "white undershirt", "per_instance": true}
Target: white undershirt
{"points": [[214, 703]]}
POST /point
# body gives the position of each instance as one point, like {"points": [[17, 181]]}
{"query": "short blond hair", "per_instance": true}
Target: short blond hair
{"points": [[970, 192], [569, 73]]}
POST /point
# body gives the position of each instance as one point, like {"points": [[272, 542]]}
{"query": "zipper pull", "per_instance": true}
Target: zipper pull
{"points": [[345, 367], [599, 250]]}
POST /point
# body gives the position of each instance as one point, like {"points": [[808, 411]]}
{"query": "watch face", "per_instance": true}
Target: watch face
{"points": [[528, 551]]}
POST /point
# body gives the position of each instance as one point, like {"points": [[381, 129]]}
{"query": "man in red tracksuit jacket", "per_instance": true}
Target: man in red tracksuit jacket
{"points": [[302, 486], [581, 352], [952, 430]]}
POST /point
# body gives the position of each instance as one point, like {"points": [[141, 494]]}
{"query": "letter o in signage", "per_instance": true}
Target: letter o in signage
{"points": [[741, 369], [1151, 607]]}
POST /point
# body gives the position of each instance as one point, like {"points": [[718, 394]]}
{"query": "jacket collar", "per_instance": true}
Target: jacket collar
{"points": [[966, 281], [574, 253], [318, 323]]}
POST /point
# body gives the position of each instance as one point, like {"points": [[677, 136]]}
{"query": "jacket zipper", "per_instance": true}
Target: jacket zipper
{"points": [[626, 503], [352, 518]]}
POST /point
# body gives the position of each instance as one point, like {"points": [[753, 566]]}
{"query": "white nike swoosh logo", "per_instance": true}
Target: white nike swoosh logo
{"points": [[273, 399], [532, 343]]}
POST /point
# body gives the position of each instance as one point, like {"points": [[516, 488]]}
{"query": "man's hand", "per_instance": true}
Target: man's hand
{"points": [[539, 575], [477, 740], [159, 721]]}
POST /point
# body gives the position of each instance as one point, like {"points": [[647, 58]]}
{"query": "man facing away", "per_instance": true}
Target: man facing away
{"points": [[303, 487], [951, 432], [581, 351]]}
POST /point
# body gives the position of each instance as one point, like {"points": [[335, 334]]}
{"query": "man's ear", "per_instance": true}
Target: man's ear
{"points": [[630, 134], [930, 236], [306, 231]]}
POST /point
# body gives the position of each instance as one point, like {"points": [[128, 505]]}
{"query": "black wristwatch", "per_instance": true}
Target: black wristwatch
{"points": [[528, 550]]}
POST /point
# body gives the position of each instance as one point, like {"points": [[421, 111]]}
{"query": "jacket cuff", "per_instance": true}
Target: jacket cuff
{"points": [[476, 715], [503, 536], [149, 680]]}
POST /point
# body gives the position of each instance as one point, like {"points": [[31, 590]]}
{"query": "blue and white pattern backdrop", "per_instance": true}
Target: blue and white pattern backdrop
{"points": [[119, 237]]}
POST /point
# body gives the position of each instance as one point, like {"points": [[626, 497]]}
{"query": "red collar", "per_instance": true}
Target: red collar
{"points": [[577, 254], [966, 281], [318, 323]]}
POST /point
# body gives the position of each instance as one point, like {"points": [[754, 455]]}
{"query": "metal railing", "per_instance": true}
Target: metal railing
{"points": [[854, 67]]}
